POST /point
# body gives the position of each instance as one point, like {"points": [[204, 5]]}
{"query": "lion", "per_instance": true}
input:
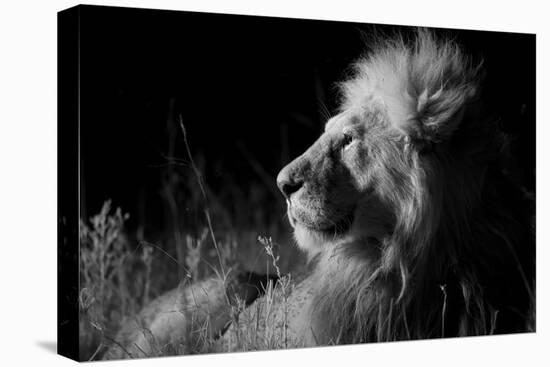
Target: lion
{"points": [[406, 206]]}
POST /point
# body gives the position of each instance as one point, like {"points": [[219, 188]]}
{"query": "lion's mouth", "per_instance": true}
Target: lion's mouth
{"points": [[339, 227]]}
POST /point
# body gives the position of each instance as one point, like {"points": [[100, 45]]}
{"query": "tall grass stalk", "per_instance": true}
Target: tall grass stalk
{"points": [[203, 191]]}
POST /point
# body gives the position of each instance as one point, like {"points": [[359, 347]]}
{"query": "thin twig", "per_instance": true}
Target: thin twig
{"points": [[444, 310], [96, 352], [203, 191], [143, 242]]}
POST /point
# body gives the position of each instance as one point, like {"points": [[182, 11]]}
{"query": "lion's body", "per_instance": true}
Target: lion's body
{"points": [[174, 323], [405, 204]]}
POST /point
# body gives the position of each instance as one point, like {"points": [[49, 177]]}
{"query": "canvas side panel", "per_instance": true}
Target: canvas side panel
{"points": [[68, 195]]}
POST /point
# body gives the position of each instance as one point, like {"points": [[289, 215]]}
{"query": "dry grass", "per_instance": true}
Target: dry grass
{"points": [[116, 282], [121, 272]]}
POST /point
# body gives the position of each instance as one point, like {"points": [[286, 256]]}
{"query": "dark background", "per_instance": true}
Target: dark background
{"points": [[253, 92]]}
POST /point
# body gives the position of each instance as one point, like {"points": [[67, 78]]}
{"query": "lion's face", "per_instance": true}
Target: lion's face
{"points": [[332, 189]]}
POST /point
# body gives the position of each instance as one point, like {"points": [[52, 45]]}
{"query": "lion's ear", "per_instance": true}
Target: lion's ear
{"points": [[438, 114]]}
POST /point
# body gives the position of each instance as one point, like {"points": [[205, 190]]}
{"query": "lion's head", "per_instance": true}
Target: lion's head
{"points": [[399, 197], [384, 147]]}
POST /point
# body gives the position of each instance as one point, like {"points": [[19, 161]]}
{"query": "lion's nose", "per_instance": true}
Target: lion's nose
{"points": [[287, 183]]}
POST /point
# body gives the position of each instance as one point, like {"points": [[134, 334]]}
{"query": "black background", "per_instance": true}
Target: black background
{"points": [[245, 86]]}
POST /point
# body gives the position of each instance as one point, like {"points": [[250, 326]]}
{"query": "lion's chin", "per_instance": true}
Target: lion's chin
{"points": [[309, 241]]}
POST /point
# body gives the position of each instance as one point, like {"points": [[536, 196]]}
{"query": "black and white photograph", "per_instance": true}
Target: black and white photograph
{"points": [[256, 183], [272, 183]]}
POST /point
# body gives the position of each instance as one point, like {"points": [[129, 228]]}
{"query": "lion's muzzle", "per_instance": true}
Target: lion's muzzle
{"points": [[288, 182]]}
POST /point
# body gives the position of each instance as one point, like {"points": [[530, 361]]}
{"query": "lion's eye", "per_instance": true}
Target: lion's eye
{"points": [[348, 139]]}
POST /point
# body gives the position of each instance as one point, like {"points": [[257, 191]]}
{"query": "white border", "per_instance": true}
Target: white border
{"points": [[28, 188]]}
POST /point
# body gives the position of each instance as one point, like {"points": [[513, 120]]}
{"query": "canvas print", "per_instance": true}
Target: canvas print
{"points": [[240, 183]]}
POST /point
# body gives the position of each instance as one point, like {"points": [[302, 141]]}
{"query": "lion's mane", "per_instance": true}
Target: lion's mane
{"points": [[460, 259]]}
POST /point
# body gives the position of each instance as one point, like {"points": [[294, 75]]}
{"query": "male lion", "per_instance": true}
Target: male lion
{"points": [[405, 205]]}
